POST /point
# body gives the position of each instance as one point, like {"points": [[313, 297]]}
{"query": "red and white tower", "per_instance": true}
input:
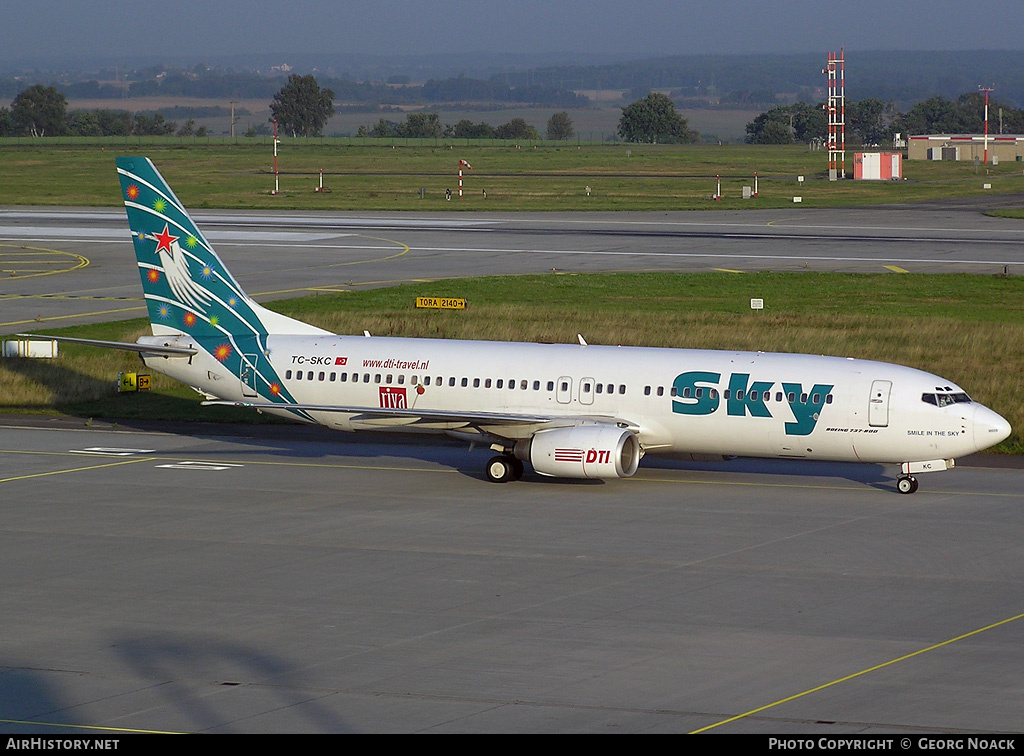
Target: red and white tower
{"points": [[986, 90], [836, 107]]}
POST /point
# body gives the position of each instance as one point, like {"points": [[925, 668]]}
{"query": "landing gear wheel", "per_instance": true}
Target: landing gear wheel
{"points": [[906, 484], [500, 469], [517, 468]]}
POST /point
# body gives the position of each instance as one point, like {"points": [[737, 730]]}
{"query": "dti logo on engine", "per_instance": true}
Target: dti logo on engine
{"points": [[600, 456], [392, 398]]}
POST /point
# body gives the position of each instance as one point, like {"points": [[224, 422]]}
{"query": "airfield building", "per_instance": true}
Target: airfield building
{"points": [[1001, 147]]}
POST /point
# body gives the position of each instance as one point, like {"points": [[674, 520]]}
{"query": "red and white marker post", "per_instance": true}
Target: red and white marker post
{"points": [[469, 168], [277, 187]]}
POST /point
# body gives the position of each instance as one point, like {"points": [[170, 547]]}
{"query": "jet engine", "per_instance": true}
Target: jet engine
{"points": [[582, 451]]}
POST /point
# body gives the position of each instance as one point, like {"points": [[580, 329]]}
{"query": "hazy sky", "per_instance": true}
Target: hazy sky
{"points": [[203, 29]]}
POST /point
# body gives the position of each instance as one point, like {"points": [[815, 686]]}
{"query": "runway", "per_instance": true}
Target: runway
{"points": [[165, 578], [64, 267], [294, 580]]}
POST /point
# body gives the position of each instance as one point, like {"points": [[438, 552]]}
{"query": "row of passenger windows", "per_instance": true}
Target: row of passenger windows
{"points": [[586, 387], [414, 380]]}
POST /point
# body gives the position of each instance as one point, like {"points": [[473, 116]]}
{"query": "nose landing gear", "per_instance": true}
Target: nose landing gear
{"points": [[906, 484]]}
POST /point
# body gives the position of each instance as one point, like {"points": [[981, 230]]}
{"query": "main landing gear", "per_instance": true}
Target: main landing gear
{"points": [[906, 484], [503, 468]]}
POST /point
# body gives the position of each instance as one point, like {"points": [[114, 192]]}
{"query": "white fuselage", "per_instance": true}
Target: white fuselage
{"points": [[675, 400]]}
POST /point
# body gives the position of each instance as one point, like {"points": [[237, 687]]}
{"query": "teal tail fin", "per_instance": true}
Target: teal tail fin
{"points": [[188, 289]]}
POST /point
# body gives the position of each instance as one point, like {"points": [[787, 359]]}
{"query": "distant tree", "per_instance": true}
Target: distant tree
{"points": [[867, 121], [466, 129], [560, 126], [202, 132], [384, 129], [785, 124], [972, 109], [654, 119], [420, 125], [936, 115], [39, 111], [84, 123], [773, 132], [115, 122], [302, 107], [6, 123], [517, 128], [152, 125], [188, 128]]}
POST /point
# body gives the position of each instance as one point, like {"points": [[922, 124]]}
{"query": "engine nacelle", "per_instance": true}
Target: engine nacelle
{"points": [[582, 451]]}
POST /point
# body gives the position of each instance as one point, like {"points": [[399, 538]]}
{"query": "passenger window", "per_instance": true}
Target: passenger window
{"points": [[661, 391], [287, 374], [321, 376]]}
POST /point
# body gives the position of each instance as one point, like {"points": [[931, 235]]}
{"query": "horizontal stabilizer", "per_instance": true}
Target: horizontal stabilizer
{"points": [[128, 346]]}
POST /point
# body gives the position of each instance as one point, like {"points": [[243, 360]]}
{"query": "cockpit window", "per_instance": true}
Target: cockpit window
{"points": [[943, 400]]}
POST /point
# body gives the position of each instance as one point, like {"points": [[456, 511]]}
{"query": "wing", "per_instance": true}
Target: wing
{"points": [[503, 424]]}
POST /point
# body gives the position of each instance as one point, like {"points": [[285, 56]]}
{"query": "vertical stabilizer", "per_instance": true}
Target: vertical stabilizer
{"points": [[188, 290]]}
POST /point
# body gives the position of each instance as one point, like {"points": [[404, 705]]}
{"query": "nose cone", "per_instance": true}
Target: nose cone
{"points": [[989, 427]]}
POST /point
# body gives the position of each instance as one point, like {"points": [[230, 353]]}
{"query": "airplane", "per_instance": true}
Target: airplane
{"points": [[569, 410]]}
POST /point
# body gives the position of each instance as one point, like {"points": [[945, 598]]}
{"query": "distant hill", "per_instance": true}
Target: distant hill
{"points": [[694, 81], [902, 77]]}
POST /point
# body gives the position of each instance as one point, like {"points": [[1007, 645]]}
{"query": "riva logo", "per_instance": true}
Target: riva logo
{"points": [[699, 392], [392, 398]]}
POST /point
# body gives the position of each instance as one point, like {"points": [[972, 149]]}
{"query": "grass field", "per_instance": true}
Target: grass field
{"points": [[369, 175], [965, 328]]}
